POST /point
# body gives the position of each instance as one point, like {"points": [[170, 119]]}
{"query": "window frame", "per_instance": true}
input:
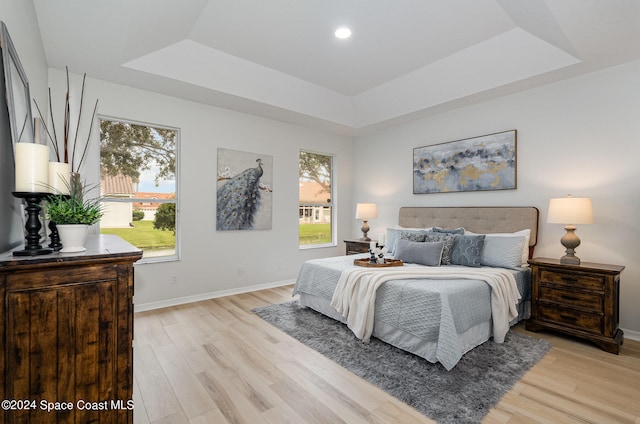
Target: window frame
{"points": [[331, 204], [153, 259]]}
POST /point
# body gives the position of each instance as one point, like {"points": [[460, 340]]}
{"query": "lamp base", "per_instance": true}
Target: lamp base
{"points": [[570, 241], [570, 260], [365, 229]]}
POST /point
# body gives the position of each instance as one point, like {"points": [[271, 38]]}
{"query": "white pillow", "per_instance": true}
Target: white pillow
{"points": [[501, 251], [522, 233]]}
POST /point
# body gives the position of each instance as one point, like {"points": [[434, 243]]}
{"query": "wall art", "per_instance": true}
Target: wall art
{"points": [[481, 163], [244, 191]]}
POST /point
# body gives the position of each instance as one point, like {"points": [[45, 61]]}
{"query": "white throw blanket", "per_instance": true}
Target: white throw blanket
{"points": [[355, 293]]}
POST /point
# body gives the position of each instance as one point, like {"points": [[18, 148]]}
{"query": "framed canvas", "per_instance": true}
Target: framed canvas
{"points": [[244, 191], [487, 162], [15, 126]]}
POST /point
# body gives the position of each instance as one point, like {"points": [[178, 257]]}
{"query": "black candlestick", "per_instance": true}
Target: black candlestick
{"points": [[32, 246], [54, 236]]}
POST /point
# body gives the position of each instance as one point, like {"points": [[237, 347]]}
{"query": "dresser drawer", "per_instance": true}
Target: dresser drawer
{"points": [[589, 301], [593, 323], [572, 280]]}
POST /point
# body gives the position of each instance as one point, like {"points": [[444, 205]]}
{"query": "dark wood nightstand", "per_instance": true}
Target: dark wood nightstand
{"points": [[579, 300], [357, 246]]}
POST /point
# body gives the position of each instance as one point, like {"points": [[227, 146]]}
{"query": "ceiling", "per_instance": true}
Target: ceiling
{"points": [[280, 59]]}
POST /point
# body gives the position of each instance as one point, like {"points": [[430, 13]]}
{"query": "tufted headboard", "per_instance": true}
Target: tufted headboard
{"points": [[481, 219]]}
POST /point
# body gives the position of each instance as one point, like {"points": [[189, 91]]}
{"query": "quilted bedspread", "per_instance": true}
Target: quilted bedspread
{"points": [[426, 310]]}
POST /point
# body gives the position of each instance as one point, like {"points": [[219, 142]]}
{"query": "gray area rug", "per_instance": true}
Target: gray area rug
{"points": [[463, 395]]}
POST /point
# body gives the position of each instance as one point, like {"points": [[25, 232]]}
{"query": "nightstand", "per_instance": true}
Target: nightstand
{"points": [[357, 246], [579, 300]]}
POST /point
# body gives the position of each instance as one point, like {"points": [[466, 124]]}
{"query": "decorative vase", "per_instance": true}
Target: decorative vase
{"points": [[73, 237]]}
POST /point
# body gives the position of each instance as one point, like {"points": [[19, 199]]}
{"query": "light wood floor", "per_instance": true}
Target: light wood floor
{"points": [[216, 362]]}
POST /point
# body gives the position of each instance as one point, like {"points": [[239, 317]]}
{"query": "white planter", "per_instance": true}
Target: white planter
{"points": [[73, 237]]}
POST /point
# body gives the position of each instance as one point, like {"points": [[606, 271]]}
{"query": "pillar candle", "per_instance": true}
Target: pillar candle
{"points": [[372, 245], [59, 173], [381, 240], [32, 167]]}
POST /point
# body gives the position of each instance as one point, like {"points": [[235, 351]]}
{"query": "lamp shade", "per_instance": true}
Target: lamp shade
{"points": [[570, 210], [366, 211]]}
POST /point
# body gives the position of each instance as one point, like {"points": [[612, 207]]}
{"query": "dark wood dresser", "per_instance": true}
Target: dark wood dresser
{"points": [[579, 300], [67, 334]]}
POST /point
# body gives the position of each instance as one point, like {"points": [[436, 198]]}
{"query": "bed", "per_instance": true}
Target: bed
{"points": [[441, 317]]}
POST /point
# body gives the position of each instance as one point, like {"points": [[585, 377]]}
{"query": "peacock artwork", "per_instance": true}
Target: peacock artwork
{"points": [[244, 191]]}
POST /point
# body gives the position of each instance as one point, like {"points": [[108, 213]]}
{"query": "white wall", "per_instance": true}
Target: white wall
{"points": [[579, 136], [21, 21], [213, 261]]}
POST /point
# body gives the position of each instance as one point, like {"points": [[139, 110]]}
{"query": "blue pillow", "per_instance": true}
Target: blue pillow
{"points": [[423, 253], [467, 250], [393, 235], [458, 230]]}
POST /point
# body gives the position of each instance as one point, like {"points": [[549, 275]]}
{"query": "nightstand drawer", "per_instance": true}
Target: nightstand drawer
{"points": [[569, 318], [354, 247], [571, 298], [571, 280]]}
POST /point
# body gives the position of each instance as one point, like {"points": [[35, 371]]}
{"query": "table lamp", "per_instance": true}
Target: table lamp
{"points": [[366, 211], [570, 210]]}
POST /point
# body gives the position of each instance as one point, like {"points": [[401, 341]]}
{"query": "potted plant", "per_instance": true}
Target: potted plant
{"points": [[73, 214]]}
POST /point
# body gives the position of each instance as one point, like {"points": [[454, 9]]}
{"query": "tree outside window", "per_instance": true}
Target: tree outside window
{"points": [[138, 182], [315, 199]]}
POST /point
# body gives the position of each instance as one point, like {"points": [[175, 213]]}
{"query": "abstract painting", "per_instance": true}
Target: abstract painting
{"points": [[244, 191], [481, 163]]}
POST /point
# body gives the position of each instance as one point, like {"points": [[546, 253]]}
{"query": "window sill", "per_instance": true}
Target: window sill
{"points": [[316, 246]]}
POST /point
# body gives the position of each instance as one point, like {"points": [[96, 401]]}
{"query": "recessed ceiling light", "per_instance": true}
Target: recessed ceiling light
{"points": [[343, 32]]}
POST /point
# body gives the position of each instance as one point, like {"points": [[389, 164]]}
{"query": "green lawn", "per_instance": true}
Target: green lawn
{"points": [[315, 233], [144, 236]]}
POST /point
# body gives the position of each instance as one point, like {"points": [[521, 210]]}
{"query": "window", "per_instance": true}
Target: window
{"points": [[138, 183], [316, 200]]}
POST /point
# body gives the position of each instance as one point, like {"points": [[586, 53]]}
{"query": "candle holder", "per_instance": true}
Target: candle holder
{"points": [[54, 236], [32, 246]]}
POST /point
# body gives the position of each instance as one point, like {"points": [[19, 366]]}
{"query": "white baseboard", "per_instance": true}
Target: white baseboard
{"points": [[631, 334], [206, 296]]}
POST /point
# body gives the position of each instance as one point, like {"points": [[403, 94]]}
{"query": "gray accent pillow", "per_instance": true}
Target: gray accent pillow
{"points": [[459, 230], [412, 236], [448, 240], [467, 250], [423, 253], [393, 235], [502, 252]]}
